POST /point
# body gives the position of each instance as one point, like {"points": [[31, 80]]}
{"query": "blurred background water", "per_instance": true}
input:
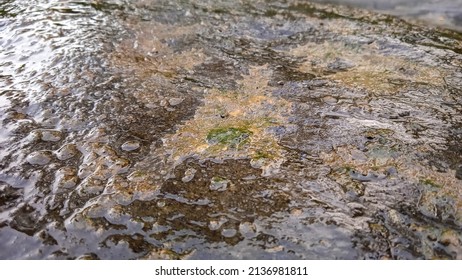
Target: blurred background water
{"points": [[446, 13]]}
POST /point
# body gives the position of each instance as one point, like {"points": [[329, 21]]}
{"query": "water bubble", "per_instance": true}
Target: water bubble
{"points": [[39, 157], [130, 146], [228, 232]]}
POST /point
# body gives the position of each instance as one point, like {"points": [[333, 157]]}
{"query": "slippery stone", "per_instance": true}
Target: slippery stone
{"points": [[264, 129]]}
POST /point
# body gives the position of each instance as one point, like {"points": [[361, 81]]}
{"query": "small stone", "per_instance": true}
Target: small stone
{"points": [[148, 219], [218, 184], [329, 100], [130, 146], [175, 101], [216, 224], [275, 249], [188, 175], [39, 158]]}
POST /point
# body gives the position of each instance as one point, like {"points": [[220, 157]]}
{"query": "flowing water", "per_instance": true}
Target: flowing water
{"points": [[447, 13], [227, 129]]}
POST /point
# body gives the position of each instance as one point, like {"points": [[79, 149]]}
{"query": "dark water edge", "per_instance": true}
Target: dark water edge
{"points": [[227, 130]]}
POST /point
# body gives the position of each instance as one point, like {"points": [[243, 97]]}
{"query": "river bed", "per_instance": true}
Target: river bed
{"points": [[227, 130]]}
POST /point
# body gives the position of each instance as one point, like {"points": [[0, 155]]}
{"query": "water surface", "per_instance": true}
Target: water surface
{"points": [[226, 129]]}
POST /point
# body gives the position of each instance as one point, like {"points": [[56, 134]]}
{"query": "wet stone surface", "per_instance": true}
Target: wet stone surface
{"points": [[227, 129]]}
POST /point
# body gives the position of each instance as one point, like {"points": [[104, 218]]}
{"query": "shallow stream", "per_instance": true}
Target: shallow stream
{"points": [[227, 130]]}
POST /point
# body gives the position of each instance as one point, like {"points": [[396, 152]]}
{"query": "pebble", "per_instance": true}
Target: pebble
{"points": [[130, 146], [188, 175], [39, 158], [218, 184], [175, 101], [216, 224], [275, 249], [329, 100]]}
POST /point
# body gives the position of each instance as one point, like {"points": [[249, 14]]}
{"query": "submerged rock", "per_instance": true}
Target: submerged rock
{"points": [[264, 129]]}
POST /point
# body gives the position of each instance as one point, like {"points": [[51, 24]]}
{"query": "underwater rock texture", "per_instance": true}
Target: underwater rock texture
{"points": [[227, 129]]}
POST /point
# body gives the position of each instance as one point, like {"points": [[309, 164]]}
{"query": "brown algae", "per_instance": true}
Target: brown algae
{"points": [[364, 67], [233, 124]]}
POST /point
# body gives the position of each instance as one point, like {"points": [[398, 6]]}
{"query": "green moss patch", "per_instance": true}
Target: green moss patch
{"points": [[230, 136]]}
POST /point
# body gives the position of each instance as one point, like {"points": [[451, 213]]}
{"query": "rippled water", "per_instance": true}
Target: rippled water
{"points": [[446, 13], [226, 129]]}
